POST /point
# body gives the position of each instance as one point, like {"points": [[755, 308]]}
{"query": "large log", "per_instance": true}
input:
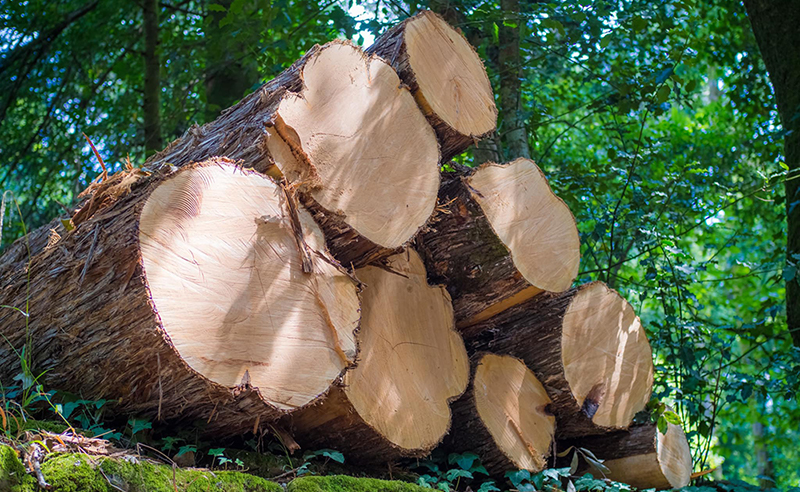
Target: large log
{"points": [[342, 128], [640, 456], [395, 402], [184, 296], [501, 237], [504, 416], [588, 349], [446, 76]]}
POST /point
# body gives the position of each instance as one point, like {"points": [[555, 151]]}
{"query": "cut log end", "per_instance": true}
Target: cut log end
{"points": [[514, 407], [641, 456], [355, 139], [225, 270], [536, 226], [407, 336], [451, 78], [606, 356]]}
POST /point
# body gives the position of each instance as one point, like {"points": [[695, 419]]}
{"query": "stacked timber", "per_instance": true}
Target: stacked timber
{"points": [[258, 273]]}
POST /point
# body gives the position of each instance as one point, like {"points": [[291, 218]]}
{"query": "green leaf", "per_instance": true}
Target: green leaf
{"points": [[573, 467], [139, 425], [663, 94], [672, 417], [554, 24], [215, 7], [517, 477], [454, 473], [334, 455], [565, 452], [783, 165], [638, 23], [464, 461], [605, 41], [216, 451], [690, 86], [662, 424], [488, 486]]}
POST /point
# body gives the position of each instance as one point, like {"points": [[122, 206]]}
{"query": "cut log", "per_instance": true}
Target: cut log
{"points": [[641, 456], [395, 402], [446, 76], [184, 297], [502, 237], [588, 349], [504, 416], [341, 127]]}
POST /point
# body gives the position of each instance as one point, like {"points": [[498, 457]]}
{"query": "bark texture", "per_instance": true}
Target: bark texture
{"points": [[391, 46], [152, 79], [461, 251], [775, 24], [513, 129], [94, 329]]}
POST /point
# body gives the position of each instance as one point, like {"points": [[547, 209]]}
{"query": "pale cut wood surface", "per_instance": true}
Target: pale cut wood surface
{"points": [[513, 405], [225, 272], [446, 76], [371, 157], [395, 402], [606, 355]]}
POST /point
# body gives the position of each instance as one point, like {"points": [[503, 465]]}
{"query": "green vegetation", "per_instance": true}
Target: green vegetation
{"points": [[655, 121]]}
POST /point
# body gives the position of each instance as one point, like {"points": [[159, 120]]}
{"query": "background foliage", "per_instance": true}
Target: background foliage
{"points": [[655, 121]]}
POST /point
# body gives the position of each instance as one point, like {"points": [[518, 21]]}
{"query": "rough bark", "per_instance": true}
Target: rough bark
{"points": [[152, 79], [256, 133], [633, 456], [454, 138], [558, 336], [462, 249], [775, 24], [94, 326], [514, 131], [471, 433]]}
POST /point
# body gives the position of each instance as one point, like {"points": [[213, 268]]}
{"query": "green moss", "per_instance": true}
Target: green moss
{"points": [[34, 425], [12, 472], [342, 483], [81, 473]]}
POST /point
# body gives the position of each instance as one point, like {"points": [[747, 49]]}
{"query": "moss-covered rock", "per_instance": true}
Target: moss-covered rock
{"points": [[343, 483], [82, 473]]}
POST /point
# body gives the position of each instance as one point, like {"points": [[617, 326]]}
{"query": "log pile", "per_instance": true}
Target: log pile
{"points": [[287, 266]]}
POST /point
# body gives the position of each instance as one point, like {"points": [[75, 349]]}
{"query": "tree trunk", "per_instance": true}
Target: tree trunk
{"points": [[152, 79], [641, 456], [182, 296], [231, 67], [446, 76], [501, 238], [775, 24], [504, 417], [588, 349], [395, 402], [513, 129], [342, 130]]}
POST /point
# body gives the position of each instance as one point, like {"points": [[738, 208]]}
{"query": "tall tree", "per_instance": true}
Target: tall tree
{"points": [[231, 68], [152, 79], [514, 132], [775, 24]]}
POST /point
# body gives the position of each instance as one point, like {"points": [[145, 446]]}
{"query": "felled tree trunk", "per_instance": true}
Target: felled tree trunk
{"points": [[502, 237], [504, 416], [347, 135], [446, 76], [588, 349], [641, 456], [395, 402], [200, 294]]}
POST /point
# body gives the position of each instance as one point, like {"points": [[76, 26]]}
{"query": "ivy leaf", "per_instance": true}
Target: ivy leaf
{"points": [[334, 455], [216, 451], [139, 425], [454, 473], [517, 477]]}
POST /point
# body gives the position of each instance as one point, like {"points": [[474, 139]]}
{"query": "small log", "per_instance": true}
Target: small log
{"points": [[345, 132], [586, 346], [184, 296], [504, 416], [395, 402], [640, 456], [501, 237], [446, 76]]}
